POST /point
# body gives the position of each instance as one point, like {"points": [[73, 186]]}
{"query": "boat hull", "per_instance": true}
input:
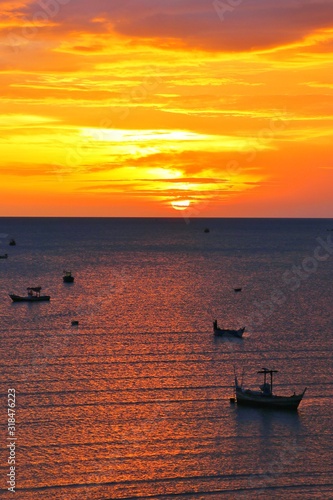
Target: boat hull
{"points": [[220, 332], [245, 398], [18, 298], [68, 279]]}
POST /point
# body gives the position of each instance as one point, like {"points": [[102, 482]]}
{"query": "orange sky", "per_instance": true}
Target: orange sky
{"points": [[145, 108]]}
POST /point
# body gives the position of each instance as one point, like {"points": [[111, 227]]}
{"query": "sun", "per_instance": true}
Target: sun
{"points": [[180, 204]]}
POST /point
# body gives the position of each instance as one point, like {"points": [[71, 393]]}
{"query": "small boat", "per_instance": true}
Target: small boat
{"points": [[237, 289], [5, 256], [75, 322], [219, 332], [12, 242], [33, 296], [68, 278], [206, 230], [264, 397]]}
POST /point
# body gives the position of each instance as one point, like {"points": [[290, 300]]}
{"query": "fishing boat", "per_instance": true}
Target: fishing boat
{"points": [[219, 332], [5, 256], [68, 278], [33, 296], [12, 242], [237, 289], [265, 397]]}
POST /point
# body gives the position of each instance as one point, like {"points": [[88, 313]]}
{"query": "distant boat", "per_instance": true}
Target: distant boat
{"points": [[237, 289], [33, 296], [206, 230], [12, 242], [5, 256], [219, 332], [75, 322], [265, 397], [68, 278]]}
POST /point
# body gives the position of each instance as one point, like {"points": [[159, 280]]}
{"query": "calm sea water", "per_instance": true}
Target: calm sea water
{"points": [[134, 402]]}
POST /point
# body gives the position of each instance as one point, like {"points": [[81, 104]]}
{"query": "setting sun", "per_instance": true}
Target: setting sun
{"points": [[180, 204]]}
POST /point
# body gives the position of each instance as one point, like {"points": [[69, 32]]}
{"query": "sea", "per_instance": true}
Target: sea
{"points": [[135, 402]]}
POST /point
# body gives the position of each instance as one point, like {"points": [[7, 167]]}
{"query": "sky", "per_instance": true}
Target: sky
{"points": [[184, 108]]}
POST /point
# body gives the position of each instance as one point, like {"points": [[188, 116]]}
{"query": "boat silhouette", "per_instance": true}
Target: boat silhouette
{"points": [[219, 332], [33, 295], [264, 397]]}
